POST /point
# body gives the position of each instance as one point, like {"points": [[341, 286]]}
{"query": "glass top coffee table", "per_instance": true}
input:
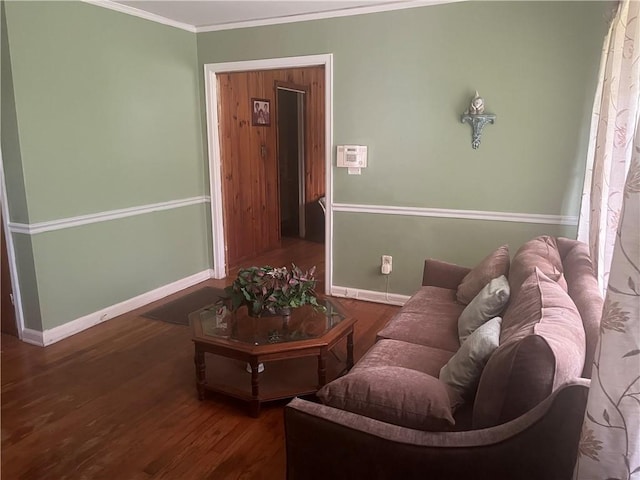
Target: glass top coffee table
{"points": [[268, 358]]}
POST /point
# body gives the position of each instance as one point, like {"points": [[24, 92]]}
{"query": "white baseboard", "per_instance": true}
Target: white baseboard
{"points": [[78, 325], [34, 337], [369, 295], [56, 334]]}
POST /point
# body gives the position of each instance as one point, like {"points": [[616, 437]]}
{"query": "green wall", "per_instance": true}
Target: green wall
{"points": [[25, 263], [402, 80], [103, 111], [120, 260], [106, 116], [412, 239], [10, 143], [108, 109]]}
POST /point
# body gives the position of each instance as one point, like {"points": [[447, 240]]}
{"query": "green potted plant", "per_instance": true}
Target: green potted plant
{"points": [[268, 290]]}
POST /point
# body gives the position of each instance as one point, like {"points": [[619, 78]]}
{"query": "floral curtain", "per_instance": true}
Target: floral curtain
{"points": [[615, 115], [610, 443]]}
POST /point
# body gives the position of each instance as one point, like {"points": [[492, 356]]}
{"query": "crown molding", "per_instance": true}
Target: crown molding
{"points": [[136, 12], [394, 5], [387, 7]]}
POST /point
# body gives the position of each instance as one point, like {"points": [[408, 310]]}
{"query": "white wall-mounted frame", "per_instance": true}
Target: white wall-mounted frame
{"points": [[213, 139], [11, 253]]}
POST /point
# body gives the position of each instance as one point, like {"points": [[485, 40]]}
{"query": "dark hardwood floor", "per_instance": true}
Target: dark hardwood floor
{"points": [[118, 401]]}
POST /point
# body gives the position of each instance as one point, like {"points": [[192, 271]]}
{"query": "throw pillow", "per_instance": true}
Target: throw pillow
{"points": [[488, 304], [492, 266], [394, 395], [462, 372]]}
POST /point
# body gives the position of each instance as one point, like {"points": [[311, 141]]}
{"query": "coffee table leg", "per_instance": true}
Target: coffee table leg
{"points": [[201, 376], [254, 406], [322, 367], [350, 350]]}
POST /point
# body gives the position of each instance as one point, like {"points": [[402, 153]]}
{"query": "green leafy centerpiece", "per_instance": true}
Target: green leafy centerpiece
{"points": [[268, 290]]}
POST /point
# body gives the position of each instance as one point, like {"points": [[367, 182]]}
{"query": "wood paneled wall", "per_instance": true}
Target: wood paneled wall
{"points": [[250, 189]]}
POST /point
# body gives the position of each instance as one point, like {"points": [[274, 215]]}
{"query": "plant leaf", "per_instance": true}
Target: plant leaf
{"points": [[605, 415], [632, 284], [631, 353]]}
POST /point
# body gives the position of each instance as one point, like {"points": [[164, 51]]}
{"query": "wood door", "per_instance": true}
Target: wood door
{"points": [[250, 189], [8, 311]]}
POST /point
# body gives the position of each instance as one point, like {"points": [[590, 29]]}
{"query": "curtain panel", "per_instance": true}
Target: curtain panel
{"points": [[614, 118]]}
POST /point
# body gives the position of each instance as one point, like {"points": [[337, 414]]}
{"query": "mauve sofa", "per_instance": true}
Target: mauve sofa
{"points": [[523, 421]]}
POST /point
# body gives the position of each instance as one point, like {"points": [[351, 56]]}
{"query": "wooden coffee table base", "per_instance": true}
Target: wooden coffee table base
{"points": [[290, 369]]}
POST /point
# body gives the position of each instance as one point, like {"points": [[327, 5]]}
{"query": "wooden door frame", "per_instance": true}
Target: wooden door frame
{"points": [[11, 253], [211, 71]]}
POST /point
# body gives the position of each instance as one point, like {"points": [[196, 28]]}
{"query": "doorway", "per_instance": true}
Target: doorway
{"points": [[318, 139], [290, 100], [257, 189]]}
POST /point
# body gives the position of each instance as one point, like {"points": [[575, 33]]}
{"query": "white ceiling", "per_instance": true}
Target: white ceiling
{"points": [[207, 15]]}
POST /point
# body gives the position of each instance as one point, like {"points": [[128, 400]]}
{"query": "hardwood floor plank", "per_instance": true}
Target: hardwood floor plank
{"points": [[119, 399]]}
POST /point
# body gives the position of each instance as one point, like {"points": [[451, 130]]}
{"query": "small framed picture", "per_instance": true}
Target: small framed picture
{"points": [[260, 112]]}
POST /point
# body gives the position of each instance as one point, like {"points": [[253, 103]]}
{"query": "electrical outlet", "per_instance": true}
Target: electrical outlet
{"points": [[387, 264]]}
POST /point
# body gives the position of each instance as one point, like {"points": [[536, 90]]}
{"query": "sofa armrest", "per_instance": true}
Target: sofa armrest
{"points": [[442, 274], [323, 442]]}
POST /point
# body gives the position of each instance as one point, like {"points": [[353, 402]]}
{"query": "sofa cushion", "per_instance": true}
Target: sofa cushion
{"points": [[488, 304], [462, 372], [542, 346], [542, 306], [585, 293], [395, 353], [438, 331], [394, 395], [541, 252], [427, 299], [430, 318], [492, 266]]}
